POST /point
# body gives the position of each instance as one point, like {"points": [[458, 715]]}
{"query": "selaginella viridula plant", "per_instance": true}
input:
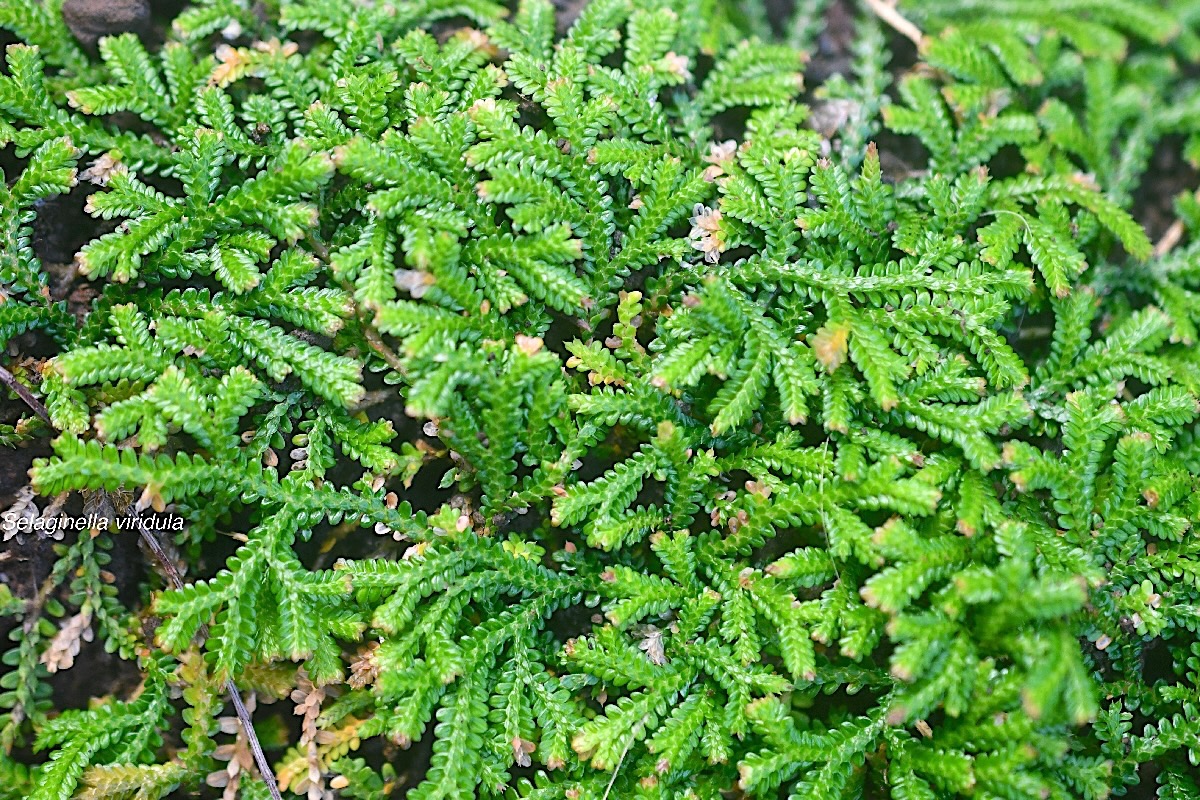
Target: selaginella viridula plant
{"points": [[675, 450]]}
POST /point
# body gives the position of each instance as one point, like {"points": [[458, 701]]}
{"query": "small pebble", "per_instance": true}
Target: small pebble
{"points": [[91, 20]]}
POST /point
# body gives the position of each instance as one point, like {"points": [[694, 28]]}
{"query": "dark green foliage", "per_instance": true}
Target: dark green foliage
{"points": [[764, 467]]}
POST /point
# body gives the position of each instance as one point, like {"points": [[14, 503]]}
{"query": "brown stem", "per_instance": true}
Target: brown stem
{"points": [[1172, 237], [380, 347], [886, 11], [10, 380], [176, 580]]}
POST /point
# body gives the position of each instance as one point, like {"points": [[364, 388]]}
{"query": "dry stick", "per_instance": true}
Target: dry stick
{"points": [[9, 380], [1169, 239], [886, 11], [377, 344], [617, 768], [1172, 236], [176, 580]]}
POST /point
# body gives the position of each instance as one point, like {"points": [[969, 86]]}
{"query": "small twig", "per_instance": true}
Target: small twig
{"points": [[10, 380], [260, 758], [380, 347], [617, 768], [1169, 239], [176, 581], [39, 600], [318, 247], [886, 11]]}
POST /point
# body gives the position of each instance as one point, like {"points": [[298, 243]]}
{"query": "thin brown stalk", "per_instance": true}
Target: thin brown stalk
{"points": [[1170, 238], [886, 11], [176, 580], [10, 380]]}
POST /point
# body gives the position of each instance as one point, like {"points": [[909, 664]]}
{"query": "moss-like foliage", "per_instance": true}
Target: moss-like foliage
{"points": [[682, 441]]}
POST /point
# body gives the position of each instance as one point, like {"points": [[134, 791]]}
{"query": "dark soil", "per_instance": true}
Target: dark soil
{"points": [[1168, 176], [61, 226], [832, 53], [22, 567], [566, 12]]}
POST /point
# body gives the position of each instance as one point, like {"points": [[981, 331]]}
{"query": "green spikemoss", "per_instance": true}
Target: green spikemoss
{"points": [[764, 467]]}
